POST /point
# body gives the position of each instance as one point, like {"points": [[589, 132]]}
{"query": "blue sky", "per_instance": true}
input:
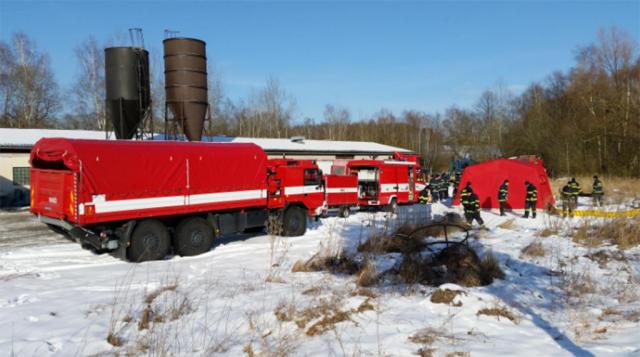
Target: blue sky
{"points": [[361, 55]]}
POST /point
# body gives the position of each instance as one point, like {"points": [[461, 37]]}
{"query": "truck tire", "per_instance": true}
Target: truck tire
{"points": [[392, 207], [149, 241], [194, 235], [344, 211], [294, 222]]}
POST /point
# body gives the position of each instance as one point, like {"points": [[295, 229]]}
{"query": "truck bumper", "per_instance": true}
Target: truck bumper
{"points": [[83, 235]]}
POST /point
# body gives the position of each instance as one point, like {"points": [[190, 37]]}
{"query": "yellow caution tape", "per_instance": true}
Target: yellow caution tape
{"points": [[603, 214]]}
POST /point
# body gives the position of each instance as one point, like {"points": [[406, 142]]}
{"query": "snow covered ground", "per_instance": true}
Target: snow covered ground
{"points": [[242, 298]]}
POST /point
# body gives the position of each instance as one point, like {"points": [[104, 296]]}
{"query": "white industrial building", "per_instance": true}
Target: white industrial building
{"points": [[16, 144]]}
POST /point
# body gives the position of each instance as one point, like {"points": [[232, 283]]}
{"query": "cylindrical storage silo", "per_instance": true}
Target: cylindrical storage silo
{"points": [[128, 95], [185, 73]]}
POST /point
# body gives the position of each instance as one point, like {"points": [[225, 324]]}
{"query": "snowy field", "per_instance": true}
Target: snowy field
{"points": [[241, 298]]}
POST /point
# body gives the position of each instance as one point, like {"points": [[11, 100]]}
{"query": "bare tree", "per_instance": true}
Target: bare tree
{"points": [[29, 91], [89, 88], [337, 122]]}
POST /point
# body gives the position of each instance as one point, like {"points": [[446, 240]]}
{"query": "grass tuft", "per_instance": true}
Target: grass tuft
{"points": [[535, 249], [498, 311]]}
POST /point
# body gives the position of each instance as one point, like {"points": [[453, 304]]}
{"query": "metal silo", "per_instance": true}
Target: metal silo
{"points": [[185, 71], [128, 98]]}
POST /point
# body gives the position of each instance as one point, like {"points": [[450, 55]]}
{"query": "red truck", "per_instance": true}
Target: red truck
{"points": [[341, 193], [386, 183], [142, 200]]}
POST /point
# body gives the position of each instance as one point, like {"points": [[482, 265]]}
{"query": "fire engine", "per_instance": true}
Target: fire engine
{"points": [[143, 200], [386, 183], [341, 193]]}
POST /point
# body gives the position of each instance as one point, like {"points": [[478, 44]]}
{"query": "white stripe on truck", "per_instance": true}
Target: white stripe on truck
{"points": [[342, 189], [392, 187], [299, 190], [226, 196], [103, 206]]}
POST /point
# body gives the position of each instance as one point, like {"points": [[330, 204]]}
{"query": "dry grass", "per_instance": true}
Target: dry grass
{"points": [[498, 311], [456, 263], [535, 249], [367, 275], [616, 189], [547, 232], [603, 257], [490, 268], [145, 318], [321, 316], [341, 264], [426, 336], [579, 284], [508, 224], [396, 243], [366, 306], [150, 297], [446, 296], [553, 226], [114, 340], [623, 232], [416, 269], [426, 352], [458, 354], [364, 292], [314, 291], [285, 312]]}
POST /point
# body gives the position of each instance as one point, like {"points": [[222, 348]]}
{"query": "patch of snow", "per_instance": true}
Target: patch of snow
{"points": [[60, 299]]}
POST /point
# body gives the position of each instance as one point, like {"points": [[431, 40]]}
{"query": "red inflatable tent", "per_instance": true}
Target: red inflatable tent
{"points": [[486, 177]]}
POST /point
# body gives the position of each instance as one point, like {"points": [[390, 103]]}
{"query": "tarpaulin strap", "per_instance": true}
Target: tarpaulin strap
{"points": [[603, 214]]}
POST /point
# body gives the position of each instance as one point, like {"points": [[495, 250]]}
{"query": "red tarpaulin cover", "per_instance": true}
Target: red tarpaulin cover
{"points": [[121, 169], [486, 178]]}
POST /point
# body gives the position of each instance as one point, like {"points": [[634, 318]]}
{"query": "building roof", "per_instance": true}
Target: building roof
{"points": [[312, 146], [11, 138], [23, 139]]}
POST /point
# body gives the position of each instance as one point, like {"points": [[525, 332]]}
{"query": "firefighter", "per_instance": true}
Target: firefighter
{"points": [[456, 182], [575, 190], [466, 191], [531, 199], [471, 206], [444, 186], [423, 198], [597, 192], [566, 193], [434, 187], [503, 194]]}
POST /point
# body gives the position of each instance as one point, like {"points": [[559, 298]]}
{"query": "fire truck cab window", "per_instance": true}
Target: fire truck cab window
{"points": [[312, 177]]}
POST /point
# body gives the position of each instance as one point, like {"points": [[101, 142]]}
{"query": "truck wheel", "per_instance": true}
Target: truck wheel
{"points": [[344, 211], [392, 207], [294, 222], [193, 236], [149, 241]]}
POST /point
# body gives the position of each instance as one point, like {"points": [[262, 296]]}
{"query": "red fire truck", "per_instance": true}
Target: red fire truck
{"points": [[142, 200], [386, 183], [341, 193]]}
